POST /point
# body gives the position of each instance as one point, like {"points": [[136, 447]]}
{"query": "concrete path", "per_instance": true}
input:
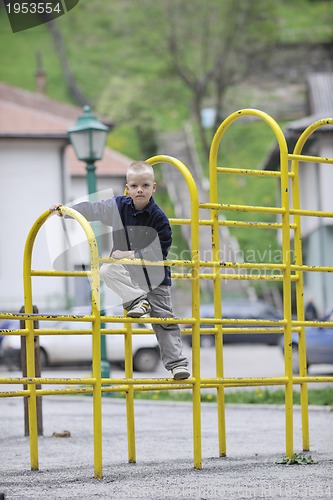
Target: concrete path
{"points": [[164, 468]]}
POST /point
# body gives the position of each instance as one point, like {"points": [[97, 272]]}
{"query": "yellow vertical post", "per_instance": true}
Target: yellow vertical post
{"points": [[130, 395], [96, 336], [195, 258], [30, 347], [196, 328], [96, 356], [287, 298], [217, 290], [285, 248], [300, 306], [300, 282]]}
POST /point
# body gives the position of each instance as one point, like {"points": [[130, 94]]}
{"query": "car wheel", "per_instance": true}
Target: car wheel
{"points": [[43, 359], [146, 360]]}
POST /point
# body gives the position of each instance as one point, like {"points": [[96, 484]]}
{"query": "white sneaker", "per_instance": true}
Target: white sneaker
{"points": [[180, 373], [139, 309]]}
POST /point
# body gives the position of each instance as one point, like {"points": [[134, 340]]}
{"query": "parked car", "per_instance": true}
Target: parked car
{"points": [[319, 345], [6, 325], [240, 309], [56, 350]]}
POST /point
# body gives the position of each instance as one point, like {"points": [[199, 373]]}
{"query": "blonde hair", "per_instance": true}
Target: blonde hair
{"points": [[140, 168]]}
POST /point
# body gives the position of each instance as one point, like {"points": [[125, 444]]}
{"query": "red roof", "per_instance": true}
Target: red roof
{"points": [[112, 164], [29, 114]]}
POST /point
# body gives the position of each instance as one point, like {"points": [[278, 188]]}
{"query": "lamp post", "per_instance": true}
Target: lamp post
{"points": [[88, 137]]}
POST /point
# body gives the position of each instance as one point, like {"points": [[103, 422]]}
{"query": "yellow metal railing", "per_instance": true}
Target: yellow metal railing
{"points": [[195, 270], [287, 271]]}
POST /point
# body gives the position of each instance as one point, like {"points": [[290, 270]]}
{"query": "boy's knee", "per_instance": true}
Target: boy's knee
{"points": [[106, 272], [110, 271]]}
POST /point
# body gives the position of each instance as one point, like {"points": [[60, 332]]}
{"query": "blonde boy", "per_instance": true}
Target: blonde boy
{"points": [[141, 230]]}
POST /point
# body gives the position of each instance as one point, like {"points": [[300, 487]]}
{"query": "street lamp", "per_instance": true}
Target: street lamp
{"points": [[88, 137]]}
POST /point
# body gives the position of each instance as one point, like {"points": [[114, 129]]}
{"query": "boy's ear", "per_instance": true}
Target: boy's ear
{"points": [[126, 188], [154, 187]]}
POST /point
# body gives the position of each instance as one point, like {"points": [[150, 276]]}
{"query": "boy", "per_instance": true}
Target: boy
{"points": [[140, 230]]}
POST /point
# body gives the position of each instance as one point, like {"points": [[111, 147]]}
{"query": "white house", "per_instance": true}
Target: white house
{"points": [[38, 168], [316, 181]]}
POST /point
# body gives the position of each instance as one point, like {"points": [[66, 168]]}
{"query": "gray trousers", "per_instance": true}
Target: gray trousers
{"points": [[117, 277]]}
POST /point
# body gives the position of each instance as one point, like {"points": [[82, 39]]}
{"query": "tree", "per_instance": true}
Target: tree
{"points": [[208, 45]]}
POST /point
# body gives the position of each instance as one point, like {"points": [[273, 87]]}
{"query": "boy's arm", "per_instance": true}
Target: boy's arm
{"points": [[93, 211]]}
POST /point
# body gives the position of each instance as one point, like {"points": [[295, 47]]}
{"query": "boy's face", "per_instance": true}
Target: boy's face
{"points": [[140, 188]]}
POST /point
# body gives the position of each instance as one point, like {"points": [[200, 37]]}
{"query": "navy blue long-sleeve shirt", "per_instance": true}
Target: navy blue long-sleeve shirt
{"points": [[145, 231]]}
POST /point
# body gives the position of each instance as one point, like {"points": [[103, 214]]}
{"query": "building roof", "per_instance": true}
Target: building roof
{"points": [[25, 114], [113, 164]]}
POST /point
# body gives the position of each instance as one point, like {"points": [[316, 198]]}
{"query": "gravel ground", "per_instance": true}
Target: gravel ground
{"points": [[164, 468]]}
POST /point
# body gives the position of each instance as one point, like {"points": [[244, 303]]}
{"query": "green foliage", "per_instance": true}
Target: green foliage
{"points": [[305, 20], [18, 59], [104, 40], [323, 397], [245, 145], [297, 459], [119, 57]]}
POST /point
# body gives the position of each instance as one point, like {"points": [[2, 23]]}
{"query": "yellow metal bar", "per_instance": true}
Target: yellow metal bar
{"points": [[251, 224], [202, 263], [10, 394], [286, 272], [311, 213], [95, 318], [219, 369], [247, 381], [239, 277], [296, 157], [287, 295], [301, 379], [319, 269], [76, 274], [284, 211], [230, 223], [319, 324], [306, 158], [304, 398], [242, 208], [150, 381], [46, 317], [248, 171], [30, 344], [241, 265], [195, 249], [42, 380], [129, 395]]}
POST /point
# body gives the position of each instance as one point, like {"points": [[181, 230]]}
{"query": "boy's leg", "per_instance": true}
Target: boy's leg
{"points": [[119, 280], [168, 336]]}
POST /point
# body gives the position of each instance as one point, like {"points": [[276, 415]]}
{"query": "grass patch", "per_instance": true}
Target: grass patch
{"points": [[322, 397], [297, 459]]}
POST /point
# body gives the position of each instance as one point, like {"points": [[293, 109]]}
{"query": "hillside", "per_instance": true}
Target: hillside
{"points": [[108, 61]]}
